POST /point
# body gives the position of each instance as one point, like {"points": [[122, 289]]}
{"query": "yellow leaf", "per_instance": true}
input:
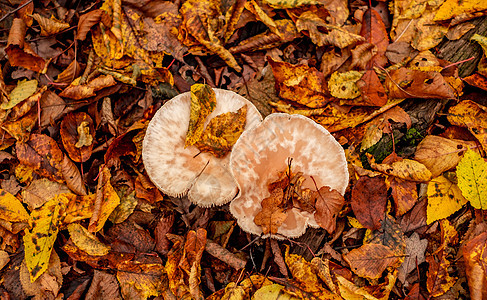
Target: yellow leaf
{"points": [[451, 8], [77, 208], [203, 102], [11, 209], [222, 132], [39, 241], [473, 116], [406, 169], [344, 85], [482, 40], [50, 26], [105, 202], [272, 292], [290, 3], [22, 91], [472, 179], [87, 241], [444, 198], [124, 209], [142, 280]]}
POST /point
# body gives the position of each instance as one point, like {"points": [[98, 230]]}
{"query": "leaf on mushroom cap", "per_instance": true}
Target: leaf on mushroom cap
{"points": [[177, 170], [262, 152]]}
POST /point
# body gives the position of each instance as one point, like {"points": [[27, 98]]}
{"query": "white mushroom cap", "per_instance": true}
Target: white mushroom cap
{"points": [[177, 170], [262, 153]]}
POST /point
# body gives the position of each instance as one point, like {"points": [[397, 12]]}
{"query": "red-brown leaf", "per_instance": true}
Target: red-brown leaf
{"points": [[369, 199]]}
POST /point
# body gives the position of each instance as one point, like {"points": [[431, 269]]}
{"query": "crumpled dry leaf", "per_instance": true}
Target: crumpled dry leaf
{"points": [[300, 83], [404, 193], [203, 102], [106, 200], [90, 19], [50, 26], [475, 255], [40, 191], [222, 132], [331, 35], [79, 91], [414, 255], [271, 217], [473, 116]]}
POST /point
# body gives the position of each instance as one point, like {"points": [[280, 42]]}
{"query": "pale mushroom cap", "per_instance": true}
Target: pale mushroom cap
{"points": [[262, 153], [178, 171]]}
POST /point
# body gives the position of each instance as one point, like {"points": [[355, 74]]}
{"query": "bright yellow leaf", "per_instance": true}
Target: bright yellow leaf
{"points": [[444, 198], [87, 241], [272, 292], [472, 179], [406, 169], [452, 8], [39, 241], [11, 209]]}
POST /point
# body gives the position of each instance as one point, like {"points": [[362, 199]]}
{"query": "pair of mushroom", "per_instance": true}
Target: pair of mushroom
{"points": [[256, 159]]}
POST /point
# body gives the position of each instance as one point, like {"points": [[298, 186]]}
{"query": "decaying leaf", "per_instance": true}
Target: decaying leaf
{"points": [[77, 131], [473, 116], [475, 255], [369, 200], [271, 217], [472, 179], [11, 208], [203, 102], [404, 193], [39, 240], [22, 91], [344, 85], [328, 204], [407, 83], [374, 31], [414, 255], [50, 26], [371, 89], [86, 241], [140, 280], [222, 132], [300, 83], [406, 169], [370, 260], [105, 202]]}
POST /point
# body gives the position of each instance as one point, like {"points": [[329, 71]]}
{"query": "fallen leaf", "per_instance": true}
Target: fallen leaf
{"points": [[344, 85], [222, 132], [328, 204], [472, 179], [22, 91], [473, 116], [12, 209], [203, 102], [105, 284], [141, 280], [350, 290], [40, 191], [374, 31], [369, 200], [271, 216], [444, 199], [88, 20], [39, 240], [475, 255], [86, 241], [300, 83], [440, 154], [371, 260], [413, 257], [105, 202], [50, 26], [407, 83], [438, 280], [47, 285], [77, 131], [404, 193], [406, 169], [371, 89], [452, 8]]}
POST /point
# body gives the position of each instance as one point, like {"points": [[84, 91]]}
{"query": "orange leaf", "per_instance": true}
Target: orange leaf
{"points": [[374, 31], [88, 20], [300, 83], [404, 194], [19, 53], [406, 83], [271, 217], [371, 89], [77, 132], [475, 256]]}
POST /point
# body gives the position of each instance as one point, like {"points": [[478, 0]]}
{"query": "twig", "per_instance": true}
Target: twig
{"points": [[15, 10]]}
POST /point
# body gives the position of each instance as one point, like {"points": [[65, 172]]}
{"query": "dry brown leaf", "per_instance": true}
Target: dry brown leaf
{"points": [[475, 255], [371, 90], [406, 169], [50, 26], [407, 83], [369, 200], [88, 20], [473, 116], [106, 200], [404, 193], [328, 204], [72, 176], [271, 216], [72, 71], [371, 260], [375, 33]]}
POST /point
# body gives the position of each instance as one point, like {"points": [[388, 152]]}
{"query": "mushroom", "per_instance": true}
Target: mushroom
{"points": [[178, 171], [262, 153]]}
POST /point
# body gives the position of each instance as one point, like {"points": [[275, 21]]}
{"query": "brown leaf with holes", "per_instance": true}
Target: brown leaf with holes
{"points": [[473, 116], [369, 199], [370, 260], [77, 133], [407, 83], [328, 204], [271, 216], [43, 155]]}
